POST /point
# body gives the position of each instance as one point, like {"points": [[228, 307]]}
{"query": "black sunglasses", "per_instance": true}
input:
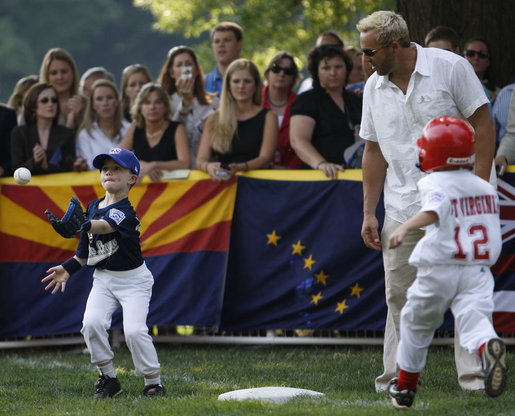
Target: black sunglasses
{"points": [[45, 100], [372, 52], [287, 71], [470, 53]]}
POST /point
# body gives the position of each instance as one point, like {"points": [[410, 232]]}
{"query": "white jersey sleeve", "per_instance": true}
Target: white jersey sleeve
{"points": [[468, 229]]}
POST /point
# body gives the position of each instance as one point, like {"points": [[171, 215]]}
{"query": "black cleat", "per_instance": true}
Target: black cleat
{"points": [[494, 366], [154, 390], [401, 399], [107, 387]]}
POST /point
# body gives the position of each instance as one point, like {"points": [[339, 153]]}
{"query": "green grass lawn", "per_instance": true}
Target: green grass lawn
{"points": [[59, 381]]}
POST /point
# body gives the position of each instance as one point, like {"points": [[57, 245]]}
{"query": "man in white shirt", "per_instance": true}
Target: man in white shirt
{"points": [[411, 86]]}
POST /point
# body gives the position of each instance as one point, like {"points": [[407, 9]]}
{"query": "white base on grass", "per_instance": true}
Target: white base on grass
{"points": [[268, 394]]}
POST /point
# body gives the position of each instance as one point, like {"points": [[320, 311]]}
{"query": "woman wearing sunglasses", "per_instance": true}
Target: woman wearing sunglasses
{"points": [[42, 145], [282, 75], [323, 119], [477, 52]]}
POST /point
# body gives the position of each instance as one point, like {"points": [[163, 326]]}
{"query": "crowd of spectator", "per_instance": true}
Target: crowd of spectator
{"points": [[228, 120]]}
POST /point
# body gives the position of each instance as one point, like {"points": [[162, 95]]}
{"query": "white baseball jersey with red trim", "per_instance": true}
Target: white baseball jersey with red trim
{"points": [[468, 229]]}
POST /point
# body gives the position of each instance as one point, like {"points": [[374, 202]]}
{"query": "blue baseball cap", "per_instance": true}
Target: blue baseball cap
{"points": [[125, 158]]}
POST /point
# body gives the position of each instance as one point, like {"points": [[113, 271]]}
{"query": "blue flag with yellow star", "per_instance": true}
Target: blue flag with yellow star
{"points": [[297, 259]]}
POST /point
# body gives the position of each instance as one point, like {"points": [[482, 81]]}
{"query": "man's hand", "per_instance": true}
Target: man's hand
{"points": [[369, 233]]}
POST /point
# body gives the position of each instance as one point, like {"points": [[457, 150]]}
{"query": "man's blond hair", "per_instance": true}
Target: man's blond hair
{"points": [[389, 27]]}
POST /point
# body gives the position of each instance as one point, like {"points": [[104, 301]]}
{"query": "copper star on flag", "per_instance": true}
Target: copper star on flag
{"points": [[297, 248], [322, 277], [316, 298], [356, 290], [273, 238], [308, 263], [341, 306]]}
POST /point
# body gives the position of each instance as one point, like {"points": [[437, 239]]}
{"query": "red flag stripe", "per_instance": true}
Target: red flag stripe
{"points": [[17, 249], [197, 195], [504, 321], [154, 190], [26, 196], [214, 238]]}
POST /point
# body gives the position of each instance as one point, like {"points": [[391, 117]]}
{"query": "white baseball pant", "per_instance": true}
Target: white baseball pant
{"points": [[131, 290]]}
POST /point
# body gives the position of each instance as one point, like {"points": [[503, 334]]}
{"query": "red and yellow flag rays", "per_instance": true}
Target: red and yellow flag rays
{"points": [[185, 216], [25, 232], [176, 216]]}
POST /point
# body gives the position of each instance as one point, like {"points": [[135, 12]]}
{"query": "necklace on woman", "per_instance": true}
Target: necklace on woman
{"points": [[155, 134], [276, 105]]}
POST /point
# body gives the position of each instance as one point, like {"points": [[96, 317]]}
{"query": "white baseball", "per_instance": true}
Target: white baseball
{"points": [[22, 176]]}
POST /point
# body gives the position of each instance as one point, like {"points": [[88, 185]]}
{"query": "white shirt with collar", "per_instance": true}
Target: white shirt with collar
{"points": [[91, 145], [443, 83]]}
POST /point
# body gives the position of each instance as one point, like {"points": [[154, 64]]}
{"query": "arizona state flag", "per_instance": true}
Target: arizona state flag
{"points": [[297, 259], [185, 228]]}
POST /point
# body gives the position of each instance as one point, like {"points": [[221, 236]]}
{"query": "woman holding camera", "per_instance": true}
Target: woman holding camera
{"points": [[240, 135], [183, 79]]}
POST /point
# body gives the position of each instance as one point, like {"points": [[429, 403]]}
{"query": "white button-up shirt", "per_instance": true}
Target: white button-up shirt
{"points": [[442, 83]]}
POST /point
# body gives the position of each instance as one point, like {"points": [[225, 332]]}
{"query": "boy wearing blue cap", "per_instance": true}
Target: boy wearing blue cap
{"points": [[109, 241]]}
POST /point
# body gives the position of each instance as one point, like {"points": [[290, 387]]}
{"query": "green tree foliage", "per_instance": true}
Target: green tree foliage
{"points": [[109, 33], [269, 25]]}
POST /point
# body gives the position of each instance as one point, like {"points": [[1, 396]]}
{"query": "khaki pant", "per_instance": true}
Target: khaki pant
{"points": [[399, 276]]}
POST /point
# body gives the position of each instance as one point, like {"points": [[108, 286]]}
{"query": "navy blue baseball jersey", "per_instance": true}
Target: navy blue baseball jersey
{"points": [[119, 250]]}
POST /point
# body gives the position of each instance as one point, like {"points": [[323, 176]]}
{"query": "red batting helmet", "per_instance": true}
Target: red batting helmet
{"points": [[446, 141]]}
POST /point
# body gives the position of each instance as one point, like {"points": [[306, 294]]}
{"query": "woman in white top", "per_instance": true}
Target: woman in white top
{"points": [[183, 79], [103, 126]]}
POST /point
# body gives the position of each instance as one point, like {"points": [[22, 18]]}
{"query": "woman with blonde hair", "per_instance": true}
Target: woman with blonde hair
{"points": [[158, 142], [59, 70], [103, 127], [133, 78], [240, 135], [183, 79], [19, 91]]}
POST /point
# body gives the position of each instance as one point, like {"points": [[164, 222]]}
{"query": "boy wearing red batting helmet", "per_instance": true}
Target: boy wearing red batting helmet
{"points": [[460, 214]]}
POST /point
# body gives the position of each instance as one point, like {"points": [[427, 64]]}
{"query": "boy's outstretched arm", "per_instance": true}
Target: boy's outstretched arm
{"points": [[420, 220], [57, 275]]}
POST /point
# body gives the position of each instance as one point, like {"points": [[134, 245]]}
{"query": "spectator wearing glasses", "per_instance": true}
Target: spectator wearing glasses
{"points": [[42, 145], [323, 119], [182, 78], [133, 78], [477, 52], [282, 75], [440, 83], [227, 41]]}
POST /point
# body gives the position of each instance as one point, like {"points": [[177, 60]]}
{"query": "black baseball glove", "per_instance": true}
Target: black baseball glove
{"points": [[72, 220]]}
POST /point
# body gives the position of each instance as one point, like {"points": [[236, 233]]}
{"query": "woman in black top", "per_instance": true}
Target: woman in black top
{"points": [[42, 145], [159, 143], [323, 119], [240, 135]]}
